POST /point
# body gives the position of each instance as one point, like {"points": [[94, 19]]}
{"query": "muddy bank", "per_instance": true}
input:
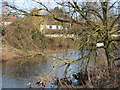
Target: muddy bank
{"points": [[9, 53]]}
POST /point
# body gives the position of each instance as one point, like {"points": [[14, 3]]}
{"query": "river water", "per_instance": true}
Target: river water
{"points": [[17, 72]]}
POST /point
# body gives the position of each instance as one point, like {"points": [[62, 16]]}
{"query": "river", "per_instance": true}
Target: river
{"points": [[17, 72]]}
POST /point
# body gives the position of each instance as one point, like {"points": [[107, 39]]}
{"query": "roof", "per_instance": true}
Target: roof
{"points": [[10, 19]]}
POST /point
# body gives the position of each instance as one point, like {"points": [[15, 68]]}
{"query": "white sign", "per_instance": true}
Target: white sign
{"points": [[99, 44]]}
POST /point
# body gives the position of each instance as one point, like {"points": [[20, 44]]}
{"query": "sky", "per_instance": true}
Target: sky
{"points": [[49, 3], [29, 4]]}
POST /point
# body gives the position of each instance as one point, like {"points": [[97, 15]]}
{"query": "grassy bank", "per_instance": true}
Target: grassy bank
{"points": [[52, 45]]}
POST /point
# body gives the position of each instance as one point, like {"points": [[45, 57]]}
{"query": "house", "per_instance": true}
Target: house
{"points": [[8, 20], [5, 23], [53, 25]]}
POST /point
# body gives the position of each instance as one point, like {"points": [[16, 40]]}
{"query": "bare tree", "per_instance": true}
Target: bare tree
{"points": [[99, 24]]}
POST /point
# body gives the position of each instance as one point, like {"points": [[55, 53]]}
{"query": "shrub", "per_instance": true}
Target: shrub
{"points": [[23, 34]]}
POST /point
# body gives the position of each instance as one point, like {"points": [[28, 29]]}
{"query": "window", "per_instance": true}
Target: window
{"points": [[57, 27], [50, 27]]}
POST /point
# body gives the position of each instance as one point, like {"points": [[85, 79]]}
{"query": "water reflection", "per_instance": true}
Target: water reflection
{"points": [[20, 71]]}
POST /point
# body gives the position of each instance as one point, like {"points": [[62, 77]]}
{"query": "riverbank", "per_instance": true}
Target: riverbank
{"points": [[52, 45], [9, 53]]}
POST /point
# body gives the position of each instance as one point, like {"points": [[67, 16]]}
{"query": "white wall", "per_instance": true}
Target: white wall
{"points": [[5, 23], [52, 27]]}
